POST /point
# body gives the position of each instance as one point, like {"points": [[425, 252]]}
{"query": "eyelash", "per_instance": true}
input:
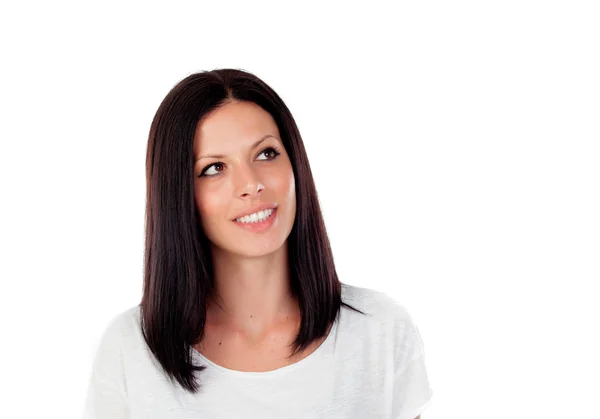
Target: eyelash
{"points": [[275, 154]]}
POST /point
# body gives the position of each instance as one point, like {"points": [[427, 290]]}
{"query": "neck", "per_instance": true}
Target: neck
{"points": [[251, 294]]}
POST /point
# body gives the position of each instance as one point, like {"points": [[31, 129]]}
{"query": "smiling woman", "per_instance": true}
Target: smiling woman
{"points": [[242, 312], [239, 178]]}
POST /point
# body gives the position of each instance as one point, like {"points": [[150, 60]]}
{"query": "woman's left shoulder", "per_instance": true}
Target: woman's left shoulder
{"points": [[378, 303]]}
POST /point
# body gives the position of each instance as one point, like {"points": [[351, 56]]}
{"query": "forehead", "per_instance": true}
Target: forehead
{"points": [[235, 123]]}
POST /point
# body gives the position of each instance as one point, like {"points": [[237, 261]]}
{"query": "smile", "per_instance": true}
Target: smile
{"points": [[257, 217], [258, 222]]}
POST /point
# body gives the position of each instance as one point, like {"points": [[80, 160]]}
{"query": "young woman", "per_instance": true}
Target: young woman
{"points": [[242, 313]]}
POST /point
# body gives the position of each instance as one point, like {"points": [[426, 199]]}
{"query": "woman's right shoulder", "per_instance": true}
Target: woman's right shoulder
{"points": [[120, 327], [124, 320]]}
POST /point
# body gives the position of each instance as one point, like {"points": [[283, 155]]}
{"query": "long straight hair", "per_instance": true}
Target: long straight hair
{"points": [[178, 270]]}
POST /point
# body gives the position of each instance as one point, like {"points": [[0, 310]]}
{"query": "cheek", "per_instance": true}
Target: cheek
{"points": [[286, 187], [292, 184], [209, 204], [292, 188], [283, 183]]}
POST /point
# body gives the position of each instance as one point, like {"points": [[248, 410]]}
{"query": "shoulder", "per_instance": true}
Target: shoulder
{"points": [[388, 320], [119, 331], [113, 350], [122, 324], [377, 304]]}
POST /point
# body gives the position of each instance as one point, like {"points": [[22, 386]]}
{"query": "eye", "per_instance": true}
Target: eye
{"points": [[267, 151], [203, 173], [270, 150]]}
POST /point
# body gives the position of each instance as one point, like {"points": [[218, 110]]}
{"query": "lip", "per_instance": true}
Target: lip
{"points": [[257, 208], [259, 227]]}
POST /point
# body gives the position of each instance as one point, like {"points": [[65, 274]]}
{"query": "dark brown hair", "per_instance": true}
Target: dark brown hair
{"points": [[178, 271]]}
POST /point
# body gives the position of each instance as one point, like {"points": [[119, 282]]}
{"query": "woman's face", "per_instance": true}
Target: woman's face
{"points": [[251, 169]]}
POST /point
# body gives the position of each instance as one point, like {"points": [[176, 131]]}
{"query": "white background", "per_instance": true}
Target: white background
{"points": [[455, 148]]}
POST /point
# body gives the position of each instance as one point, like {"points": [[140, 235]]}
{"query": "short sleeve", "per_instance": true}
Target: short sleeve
{"points": [[412, 391], [106, 392], [104, 401]]}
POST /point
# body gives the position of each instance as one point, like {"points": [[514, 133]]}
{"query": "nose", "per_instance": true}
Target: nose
{"points": [[247, 183]]}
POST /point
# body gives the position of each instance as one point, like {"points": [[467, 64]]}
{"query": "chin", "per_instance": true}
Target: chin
{"points": [[257, 249]]}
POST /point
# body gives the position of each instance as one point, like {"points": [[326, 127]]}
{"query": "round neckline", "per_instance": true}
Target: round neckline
{"points": [[278, 371]]}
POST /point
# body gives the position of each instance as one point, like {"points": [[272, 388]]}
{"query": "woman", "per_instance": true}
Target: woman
{"points": [[242, 313]]}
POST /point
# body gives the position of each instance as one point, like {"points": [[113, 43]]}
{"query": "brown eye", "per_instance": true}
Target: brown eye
{"points": [[270, 150], [208, 167]]}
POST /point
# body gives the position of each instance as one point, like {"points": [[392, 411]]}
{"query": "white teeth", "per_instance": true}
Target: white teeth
{"points": [[256, 217]]}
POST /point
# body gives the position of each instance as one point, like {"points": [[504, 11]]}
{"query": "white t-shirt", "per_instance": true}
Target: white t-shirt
{"points": [[368, 367]]}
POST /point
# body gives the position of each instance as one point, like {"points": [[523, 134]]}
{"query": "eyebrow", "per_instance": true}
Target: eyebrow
{"points": [[220, 156]]}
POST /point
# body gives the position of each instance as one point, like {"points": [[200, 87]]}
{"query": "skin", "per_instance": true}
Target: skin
{"points": [[253, 304]]}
